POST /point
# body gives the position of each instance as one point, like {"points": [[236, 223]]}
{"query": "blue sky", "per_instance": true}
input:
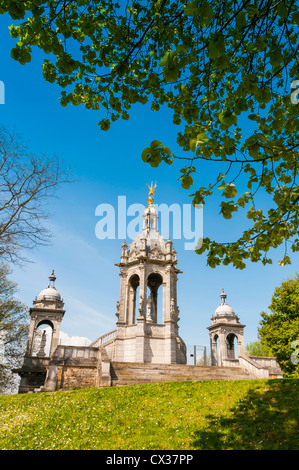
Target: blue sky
{"points": [[107, 165]]}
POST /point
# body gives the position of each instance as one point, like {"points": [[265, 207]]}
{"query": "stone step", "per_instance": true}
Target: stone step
{"points": [[124, 373], [166, 367], [150, 377]]}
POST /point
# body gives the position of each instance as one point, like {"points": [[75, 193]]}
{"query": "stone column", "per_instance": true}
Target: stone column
{"points": [[139, 343], [222, 348], [241, 345], [170, 342], [131, 305], [214, 355], [126, 303], [166, 295], [31, 335], [55, 336], [122, 298], [142, 290]]}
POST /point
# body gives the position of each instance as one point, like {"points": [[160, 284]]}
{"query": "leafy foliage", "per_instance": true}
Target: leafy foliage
{"points": [[256, 348], [14, 322], [280, 328], [225, 70]]}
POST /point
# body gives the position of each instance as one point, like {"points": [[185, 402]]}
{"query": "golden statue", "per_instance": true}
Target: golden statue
{"points": [[151, 194]]}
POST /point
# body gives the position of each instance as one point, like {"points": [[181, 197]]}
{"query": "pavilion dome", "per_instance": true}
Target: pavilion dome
{"points": [[50, 292], [224, 309]]}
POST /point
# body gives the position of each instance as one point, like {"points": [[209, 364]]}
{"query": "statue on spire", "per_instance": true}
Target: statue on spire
{"points": [[151, 194]]}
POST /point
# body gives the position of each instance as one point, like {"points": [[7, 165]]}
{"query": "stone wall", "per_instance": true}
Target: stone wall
{"points": [[74, 367], [69, 377]]}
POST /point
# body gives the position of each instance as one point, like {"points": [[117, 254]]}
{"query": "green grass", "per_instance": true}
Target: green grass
{"points": [[249, 414]]}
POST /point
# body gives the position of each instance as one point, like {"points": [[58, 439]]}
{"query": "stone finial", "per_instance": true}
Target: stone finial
{"points": [[52, 278], [223, 297]]}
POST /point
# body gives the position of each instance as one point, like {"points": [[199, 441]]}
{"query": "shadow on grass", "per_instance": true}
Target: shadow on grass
{"points": [[266, 419]]}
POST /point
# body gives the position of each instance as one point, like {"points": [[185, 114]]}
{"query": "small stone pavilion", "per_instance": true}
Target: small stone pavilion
{"points": [[226, 329], [147, 331]]}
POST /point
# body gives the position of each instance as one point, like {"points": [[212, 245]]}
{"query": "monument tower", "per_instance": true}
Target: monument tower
{"points": [[148, 271]]}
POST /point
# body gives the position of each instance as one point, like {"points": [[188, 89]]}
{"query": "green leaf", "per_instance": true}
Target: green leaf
{"points": [[146, 152], [186, 181], [15, 53], [241, 19], [216, 45], [104, 124], [167, 151], [227, 117], [202, 138], [156, 143], [295, 18], [222, 185], [276, 58], [254, 150], [282, 10], [251, 213], [164, 61], [206, 14], [227, 208], [230, 191], [191, 9], [171, 75]]}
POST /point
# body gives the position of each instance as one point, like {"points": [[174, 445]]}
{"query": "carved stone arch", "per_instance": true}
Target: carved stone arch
{"points": [[44, 321], [153, 281], [155, 276], [215, 349], [134, 280], [231, 341], [133, 297], [42, 341], [215, 337]]}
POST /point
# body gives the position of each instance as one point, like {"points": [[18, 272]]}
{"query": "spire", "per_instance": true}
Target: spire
{"points": [[149, 238]]}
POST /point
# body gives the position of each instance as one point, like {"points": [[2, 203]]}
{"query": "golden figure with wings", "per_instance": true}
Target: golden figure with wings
{"points": [[151, 194]]}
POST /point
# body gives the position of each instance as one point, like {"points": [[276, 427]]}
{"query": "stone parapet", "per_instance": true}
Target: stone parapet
{"points": [[76, 367], [261, 367]]}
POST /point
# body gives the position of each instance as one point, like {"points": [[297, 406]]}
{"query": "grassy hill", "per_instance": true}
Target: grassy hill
{"points": [[249, 414]]}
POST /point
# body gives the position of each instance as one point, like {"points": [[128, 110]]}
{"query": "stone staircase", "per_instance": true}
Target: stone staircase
{"points": [[130, 373]]}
